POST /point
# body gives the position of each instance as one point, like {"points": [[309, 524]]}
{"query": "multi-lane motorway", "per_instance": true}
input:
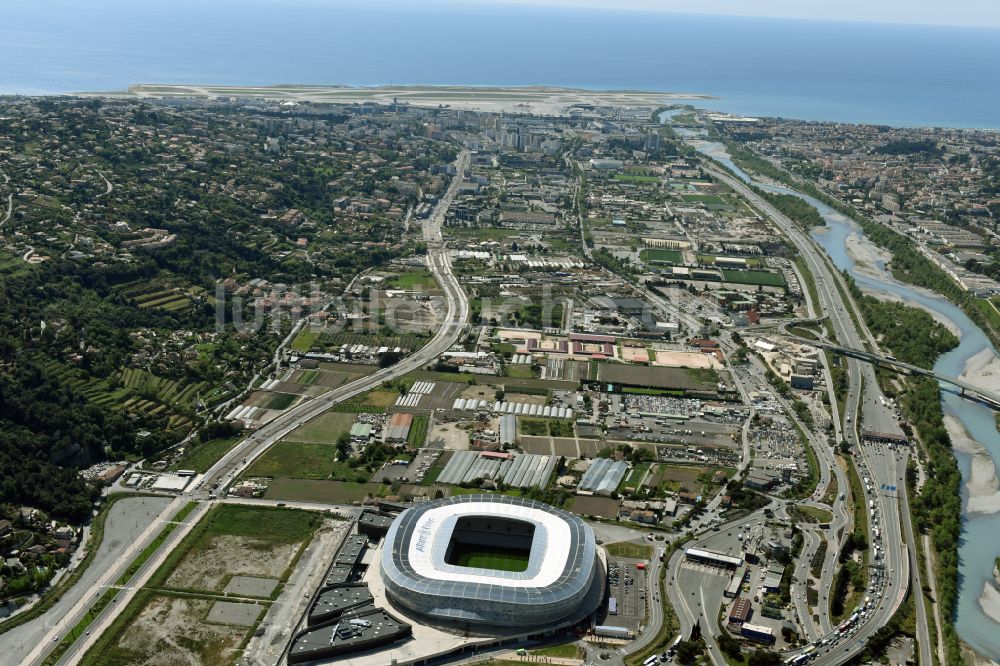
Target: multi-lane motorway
{"points": [[880, 466]]}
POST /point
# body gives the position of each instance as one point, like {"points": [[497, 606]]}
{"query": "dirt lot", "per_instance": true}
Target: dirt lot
{"points": [[528, 399], [448, 436], [173, 631], [209, 569], [683, 478], [564, 446], [686, 359], [584, 505], [590, 447], [531, 444], [479, 392], [635, 354]]}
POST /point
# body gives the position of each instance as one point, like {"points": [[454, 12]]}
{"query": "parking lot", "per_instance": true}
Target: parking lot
{"points": [[412, 473], [627, 585]]}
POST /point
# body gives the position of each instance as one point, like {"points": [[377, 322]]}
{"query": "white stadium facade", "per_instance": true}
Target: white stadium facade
{"points": [[556, 568]]}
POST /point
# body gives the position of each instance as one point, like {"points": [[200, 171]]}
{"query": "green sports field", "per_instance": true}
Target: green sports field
{"points": [[498, 559], [766, 278], [660, 255]]}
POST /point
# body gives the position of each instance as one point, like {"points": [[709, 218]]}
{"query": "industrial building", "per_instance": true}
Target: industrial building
{"points": [[398, 429]]}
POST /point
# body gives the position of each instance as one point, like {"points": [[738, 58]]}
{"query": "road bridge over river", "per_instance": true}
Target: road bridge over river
{"points": [[971, 391]]}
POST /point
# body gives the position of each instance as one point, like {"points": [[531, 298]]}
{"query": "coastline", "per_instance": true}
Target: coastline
{"points": [[535, 100]]}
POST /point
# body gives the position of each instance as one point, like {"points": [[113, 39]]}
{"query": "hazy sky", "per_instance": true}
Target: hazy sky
{"points": [[978, 13]]}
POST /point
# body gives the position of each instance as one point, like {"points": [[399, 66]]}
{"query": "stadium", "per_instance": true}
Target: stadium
{"points": [[492, 560]]}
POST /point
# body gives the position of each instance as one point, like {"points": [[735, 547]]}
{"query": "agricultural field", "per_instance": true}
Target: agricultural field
{"points": [[522, 371], [306, 339], [378, 399], [304, 460], [636, 476], [327, 427], [418, 432], [406, 341], [167, 294], [414, 280], [137, 391], [200, 457], [321, 490]]}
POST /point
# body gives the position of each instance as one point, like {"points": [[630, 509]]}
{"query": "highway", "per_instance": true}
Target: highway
{"points": [[10, 201], [108, 579], [967, 389], [696, 591], [873, 465]]}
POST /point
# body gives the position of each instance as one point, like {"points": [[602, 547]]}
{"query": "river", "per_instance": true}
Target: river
{"points": [[979, 545]]}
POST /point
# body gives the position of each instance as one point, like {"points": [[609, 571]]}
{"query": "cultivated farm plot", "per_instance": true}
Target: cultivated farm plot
{"points": [[304, 460], [137, 392], [304, 377], [161, 294], [200, 457], [271, 400], [325, 428]]}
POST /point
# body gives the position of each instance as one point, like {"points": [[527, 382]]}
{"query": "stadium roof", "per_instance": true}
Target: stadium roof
{"points": [[559, 573]]}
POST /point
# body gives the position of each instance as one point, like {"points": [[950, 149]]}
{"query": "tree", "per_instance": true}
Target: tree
{"points": [[389, 359], [764, 658], [688, 651], [729, 645], [343, 446]]}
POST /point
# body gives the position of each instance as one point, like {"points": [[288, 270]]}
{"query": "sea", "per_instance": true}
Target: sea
{"points": [[834, 71]]}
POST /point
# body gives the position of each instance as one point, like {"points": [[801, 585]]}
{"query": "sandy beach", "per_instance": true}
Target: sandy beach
{"points": [[983, 484]]}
